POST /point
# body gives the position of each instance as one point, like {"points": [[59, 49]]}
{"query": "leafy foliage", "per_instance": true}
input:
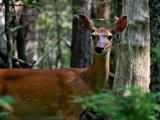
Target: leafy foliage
{"points": [[155, 44], [29, 2], [112, 106], [55, 25], [156, 53], [5, 104]]}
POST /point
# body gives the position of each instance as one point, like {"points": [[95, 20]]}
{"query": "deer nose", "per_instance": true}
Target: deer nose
{"points": [[99, 49]]}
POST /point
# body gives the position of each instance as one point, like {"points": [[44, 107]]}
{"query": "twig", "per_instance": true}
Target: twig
{"points": [[43, 56], [67, 43], [111, 74], [2, 33], [33, 4], [16, 28], [21, 62]]}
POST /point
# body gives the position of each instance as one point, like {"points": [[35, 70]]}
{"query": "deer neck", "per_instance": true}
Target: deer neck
{"points": [[98, 72]]}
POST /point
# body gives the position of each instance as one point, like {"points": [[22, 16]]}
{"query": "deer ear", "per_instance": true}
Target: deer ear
{"points": [[85, 22], [120, 24]]}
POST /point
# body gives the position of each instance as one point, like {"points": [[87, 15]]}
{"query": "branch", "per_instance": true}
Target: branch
{"points": [[16, 28], [30, 5], [43, 56], [17, 63], [67, 43], [22, 63], [111, 74]]}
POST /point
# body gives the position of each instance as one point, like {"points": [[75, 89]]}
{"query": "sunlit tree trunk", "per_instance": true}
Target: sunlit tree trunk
{"points": [[28, 36], [81, 40], [133, 63], [58, 61], [2, 22], [2, 37], [25, 19]]}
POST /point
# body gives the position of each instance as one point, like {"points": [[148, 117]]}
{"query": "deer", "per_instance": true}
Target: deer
{"points": [[42, 94]]}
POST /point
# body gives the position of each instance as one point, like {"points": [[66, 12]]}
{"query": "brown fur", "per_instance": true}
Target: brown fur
{"points": [[48, 92]]}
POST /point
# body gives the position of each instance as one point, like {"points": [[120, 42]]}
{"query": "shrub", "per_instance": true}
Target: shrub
{"points": [[113, 106], [5, 105]]}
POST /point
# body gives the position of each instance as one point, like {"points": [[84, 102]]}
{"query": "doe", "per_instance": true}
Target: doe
{"points": [[42, 94]]}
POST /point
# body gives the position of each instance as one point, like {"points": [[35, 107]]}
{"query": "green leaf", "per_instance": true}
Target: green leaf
{"points": [[137, 106], [5, 102]]}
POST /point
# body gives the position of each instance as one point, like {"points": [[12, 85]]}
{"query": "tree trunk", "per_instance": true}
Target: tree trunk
{"points": [[8, 34], [28, 37], [2, 37], [155, 43], [116, 11], [119, 6], [133, 63], [100, 9], [81, 40], [58, 61]]}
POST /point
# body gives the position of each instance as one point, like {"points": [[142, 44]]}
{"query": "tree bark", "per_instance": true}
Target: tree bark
{"points": [[58, 61], [116, 11], [28, 36], [133, 63], [3, 43], [8, 34], [100, 10], [119, 6], [81, 40]]}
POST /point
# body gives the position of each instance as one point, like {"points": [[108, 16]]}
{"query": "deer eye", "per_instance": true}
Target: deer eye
{"points": [[109, 37], [93, 30], [94, 37]]}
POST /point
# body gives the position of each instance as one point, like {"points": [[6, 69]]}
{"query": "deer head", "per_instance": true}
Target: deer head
{"points": [[102, 37]]}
